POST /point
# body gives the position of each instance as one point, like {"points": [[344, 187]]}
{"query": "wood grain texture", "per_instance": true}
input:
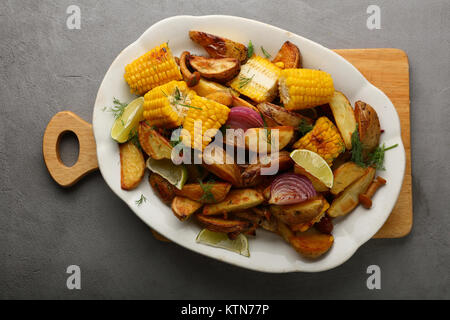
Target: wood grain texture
{"points": [[60, 124], [388, 70]]}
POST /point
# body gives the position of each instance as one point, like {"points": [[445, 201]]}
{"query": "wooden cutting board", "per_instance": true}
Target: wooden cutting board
{"points": [[387, 69]]}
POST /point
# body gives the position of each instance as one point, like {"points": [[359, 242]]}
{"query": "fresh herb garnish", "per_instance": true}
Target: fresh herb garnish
{"points": [[250, 49], [178, 99], [243, 81], [268, 56], [304, 127], [207, 196], [375, 159], [268, 131], [118, 109], [141, 200], [134, 138], [357, 150]]}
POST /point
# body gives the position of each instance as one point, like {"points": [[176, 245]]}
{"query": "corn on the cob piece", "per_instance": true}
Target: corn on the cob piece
{"points": [[305, 88], [153, 69], [324, 139], [258, 79], [166, 106], [202, 122]]}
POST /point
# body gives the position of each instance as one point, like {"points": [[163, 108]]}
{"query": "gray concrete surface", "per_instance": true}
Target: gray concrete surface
{"points": [[46, 68]]}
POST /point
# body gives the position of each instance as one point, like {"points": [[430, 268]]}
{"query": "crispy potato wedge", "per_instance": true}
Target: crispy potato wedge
{"points": [[155, 145], [219, 69], [368, 126], [349, 198], [192, 79], [344, 117], [312, 243], [222, 165], [280, 115], [183, 208], [290, 55], [275, 163], [299, 213], [222, 97], [163, 188], [302, 227], [206, 87], [236, 200], [132, 165], [345, 175], [317, 184], [218, 47], [222, 225], [257, 137], [215, 191], [239, 102]]}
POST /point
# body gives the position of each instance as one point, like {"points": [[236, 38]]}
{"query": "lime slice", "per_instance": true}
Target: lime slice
{"points": [[314, 165], [130, 118], [176, 175], [221, 240]]}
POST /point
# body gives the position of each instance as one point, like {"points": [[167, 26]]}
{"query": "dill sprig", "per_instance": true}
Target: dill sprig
{"points": [[118, 109], [266, 54], [141, 200], [179, 99], [243, 81], [304, 127], [207, 196], [357, 149], [134, 138], [268, 130], [376, 158], [250, 50]]}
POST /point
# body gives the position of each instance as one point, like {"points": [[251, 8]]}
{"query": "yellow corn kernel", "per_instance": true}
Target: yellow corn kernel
{"points": [[202, 122], [258, 79], [166, 106], [305, 88], [155, 68], [324, 139]]}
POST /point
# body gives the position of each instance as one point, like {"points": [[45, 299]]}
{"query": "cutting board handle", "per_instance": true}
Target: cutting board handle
{"points": [[60, 124]]}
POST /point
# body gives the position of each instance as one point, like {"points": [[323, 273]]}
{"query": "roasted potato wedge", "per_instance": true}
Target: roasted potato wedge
{"points": [[210, 192], [344, 117], [312, 243], [236, 200], [317, 184], [221, 164], [163, 188], [155, 145], [183, 208], [281, 116], [132, 165], [302, 227], [275, 163], [239, 102], [222, 225], [206, 87], [192, 78], [222, 97], [299, 213], [218, 47], [368, 126], [345, 175], [256, 136], [219, 69], [349, 198], [289, 55]]}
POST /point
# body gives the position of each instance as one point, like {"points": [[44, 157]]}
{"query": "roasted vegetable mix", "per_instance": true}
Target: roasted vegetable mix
{"points": [[228, 140]]}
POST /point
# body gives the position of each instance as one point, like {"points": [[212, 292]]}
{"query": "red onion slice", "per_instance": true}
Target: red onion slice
{"points": [[291, 188], [244, 118]]}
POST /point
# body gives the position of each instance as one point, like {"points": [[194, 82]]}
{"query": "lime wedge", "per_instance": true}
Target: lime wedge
{"points": [[130, 118], [314, 164], [221, 240], [176, 175]]}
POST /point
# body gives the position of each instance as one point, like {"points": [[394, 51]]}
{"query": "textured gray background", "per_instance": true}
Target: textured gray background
{"points": [[46, 68]]}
